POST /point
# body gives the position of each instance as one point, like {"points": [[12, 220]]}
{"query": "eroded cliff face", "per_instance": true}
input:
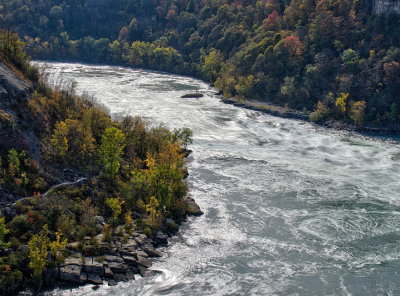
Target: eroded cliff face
{"points": [[386, 6], [16, 129]]}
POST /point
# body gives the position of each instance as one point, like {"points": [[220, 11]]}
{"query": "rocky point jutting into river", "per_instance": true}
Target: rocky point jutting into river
{"points": [[83, 198]]}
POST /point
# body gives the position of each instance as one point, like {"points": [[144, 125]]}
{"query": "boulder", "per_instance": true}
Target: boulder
{"points": [[117, 267], [121, 277], [83, 278], [151, 252], [72, 274], [73, 246], [135, 234], [144, 272], [141, 239], [131, 260], [161, 238], [99, 221], [130, 276], [113, 257], [142, 253], [94, 267], [142, 261], [129, 248], [108, 273], [94, 279], [112, 283], [192, 208], [116, 264]]}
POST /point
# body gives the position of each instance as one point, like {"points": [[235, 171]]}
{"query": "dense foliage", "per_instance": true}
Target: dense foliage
{"points": [[308, 55], [127, 163]]}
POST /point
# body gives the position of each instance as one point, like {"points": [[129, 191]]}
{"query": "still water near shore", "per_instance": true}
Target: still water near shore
{"points": [[290, 209]]}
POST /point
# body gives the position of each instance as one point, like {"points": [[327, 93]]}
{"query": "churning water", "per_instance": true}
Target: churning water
{"points": [[290, 208]]}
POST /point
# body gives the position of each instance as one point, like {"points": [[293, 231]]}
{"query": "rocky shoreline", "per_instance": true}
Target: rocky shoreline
{"points": [[122, 257], [305, 116]]}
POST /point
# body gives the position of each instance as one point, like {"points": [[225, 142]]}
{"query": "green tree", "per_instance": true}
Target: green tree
{"points": [[111, 150], [13, 162], [183, 135], [115, 204], [212, 65], [350, 60], [3, 232]]}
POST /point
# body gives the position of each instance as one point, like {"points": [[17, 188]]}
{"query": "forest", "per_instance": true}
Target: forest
{"points": [[65, 165], [335, 59]]}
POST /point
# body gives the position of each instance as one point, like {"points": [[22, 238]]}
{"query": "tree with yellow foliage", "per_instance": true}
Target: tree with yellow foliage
{"points": [[341, 102], [357, 112], [57, 247], [152, 209], [38, 247]]}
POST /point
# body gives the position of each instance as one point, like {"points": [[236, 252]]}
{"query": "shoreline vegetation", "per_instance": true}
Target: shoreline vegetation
{"points": [[84, 199], [268, 108], [285, 112], [340, 60]]}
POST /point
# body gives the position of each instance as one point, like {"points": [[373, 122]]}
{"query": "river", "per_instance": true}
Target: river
{"points": [[290, 208]]}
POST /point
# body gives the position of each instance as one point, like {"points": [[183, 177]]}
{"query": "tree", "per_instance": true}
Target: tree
{"points": [[59, 140], [152, 208], [272, 22], [356, 111], [72, 142], [293, 45], [3, 232], [341, 102], [320, 113], [13, 162], [115, 205], [212, 65], [38, 247], [58, 246], [350, 60], [111, 150], [183, 135]]}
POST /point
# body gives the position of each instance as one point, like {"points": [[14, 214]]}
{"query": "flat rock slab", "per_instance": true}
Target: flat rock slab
{"points": [[71, 274], [151, 252], [141, 239], [94, 279], [141, 253], [142, 261], [118, 267], [113, 258], [93, 266], [73, 260], [131, 260]]}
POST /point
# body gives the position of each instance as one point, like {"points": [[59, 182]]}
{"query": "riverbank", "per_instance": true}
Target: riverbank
{"points": [[83, 198], [274, 191], [305, 116], [263, 107], [116, 254]]}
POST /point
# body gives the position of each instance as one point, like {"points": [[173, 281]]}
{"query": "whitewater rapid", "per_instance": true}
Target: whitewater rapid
{"points": [[290, 208]]}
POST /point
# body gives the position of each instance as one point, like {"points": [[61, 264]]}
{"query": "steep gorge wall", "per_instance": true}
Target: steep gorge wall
{"points": [[386, 6]]}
